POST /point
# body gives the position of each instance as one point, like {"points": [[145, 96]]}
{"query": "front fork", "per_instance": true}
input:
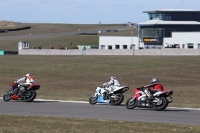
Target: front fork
{"points": [[95, 95]]}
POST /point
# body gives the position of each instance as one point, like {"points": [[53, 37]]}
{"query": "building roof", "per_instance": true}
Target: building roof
{"points": [[161, 22], [171, 10]]}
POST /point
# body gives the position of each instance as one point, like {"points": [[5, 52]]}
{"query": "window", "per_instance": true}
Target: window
{"points": [[117, 47], [167, 16], [190, 45], [124, 46], [102, 46], [109, 46], [159, 33], [155, 16]]}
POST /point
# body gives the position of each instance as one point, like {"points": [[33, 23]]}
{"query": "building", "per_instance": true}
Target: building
{"points": [[166, 28], [117, 42], [166, 24]]}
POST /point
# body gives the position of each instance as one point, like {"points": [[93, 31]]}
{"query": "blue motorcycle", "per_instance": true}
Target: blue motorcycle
{"points": [[102, 95]]}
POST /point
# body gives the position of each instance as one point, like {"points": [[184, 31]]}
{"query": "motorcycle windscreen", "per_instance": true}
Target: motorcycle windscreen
{"points": [[101, 100]]}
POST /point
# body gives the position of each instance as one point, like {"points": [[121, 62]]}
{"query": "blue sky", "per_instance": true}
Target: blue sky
{"points": [[86, 11]]}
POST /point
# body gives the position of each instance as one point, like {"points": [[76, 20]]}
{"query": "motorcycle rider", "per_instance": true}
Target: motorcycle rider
{"points": [[154, 86], [112, 84], [29, 80]]}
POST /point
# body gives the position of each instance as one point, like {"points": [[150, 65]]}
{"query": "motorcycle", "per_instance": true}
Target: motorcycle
{"points": [[102, 95], [158, 100], [27, 94]]}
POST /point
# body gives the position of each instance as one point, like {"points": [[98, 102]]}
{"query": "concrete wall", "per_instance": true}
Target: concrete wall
{"points": [[75, 52], [168, 51], [164, 51]]}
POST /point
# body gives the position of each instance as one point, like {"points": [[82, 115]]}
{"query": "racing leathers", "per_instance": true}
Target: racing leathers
{"points": [[29, 80], [154, 87], [112, 84]]}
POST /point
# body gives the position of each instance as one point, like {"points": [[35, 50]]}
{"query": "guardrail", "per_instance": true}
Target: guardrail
{"points": [[8, 52]]}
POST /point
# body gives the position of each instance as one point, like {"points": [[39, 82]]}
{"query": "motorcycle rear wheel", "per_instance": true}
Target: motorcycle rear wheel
{"points": [[131, 103], [7, 96], [119, 99], [93, 100], [163, 105], [29, 96]]}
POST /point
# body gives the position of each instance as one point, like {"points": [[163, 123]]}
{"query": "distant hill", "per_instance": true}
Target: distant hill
{"points": [[12, 26], [55, 37]]}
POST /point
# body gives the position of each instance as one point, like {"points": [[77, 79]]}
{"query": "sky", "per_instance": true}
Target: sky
{"points": [[86, 11]]}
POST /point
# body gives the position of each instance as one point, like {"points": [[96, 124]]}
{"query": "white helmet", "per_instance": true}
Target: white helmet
{"points": [[27, 75], [154, 80], [112, 77]]}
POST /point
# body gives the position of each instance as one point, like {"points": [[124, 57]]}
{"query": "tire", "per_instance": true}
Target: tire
{"points": [[131, 103], [7, 96], [29, 96], [93, 100], [163, 105], [119, 99]]}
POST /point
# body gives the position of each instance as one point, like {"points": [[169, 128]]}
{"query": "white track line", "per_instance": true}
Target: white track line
{"points": [[70, 101]]}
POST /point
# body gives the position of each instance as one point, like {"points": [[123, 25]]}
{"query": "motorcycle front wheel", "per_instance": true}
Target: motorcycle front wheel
{"points": [[7, 96], [118, 100], [161, 106], [29, 96], [93, 100], [131, 103]]}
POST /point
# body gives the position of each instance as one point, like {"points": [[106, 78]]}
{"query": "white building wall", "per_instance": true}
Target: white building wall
{"points": [[183, 38], [118, 40]]}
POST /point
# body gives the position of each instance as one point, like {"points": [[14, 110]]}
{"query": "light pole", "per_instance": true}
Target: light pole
{"points": [[138, 36]]}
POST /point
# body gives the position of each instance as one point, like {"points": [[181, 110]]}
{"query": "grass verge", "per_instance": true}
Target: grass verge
{"points": [[34, 124], [76, 77]]}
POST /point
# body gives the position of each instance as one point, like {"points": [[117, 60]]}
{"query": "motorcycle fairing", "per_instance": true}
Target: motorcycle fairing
{"points": [[120, 88], [14, 97], [99, 93], [101, 100]]}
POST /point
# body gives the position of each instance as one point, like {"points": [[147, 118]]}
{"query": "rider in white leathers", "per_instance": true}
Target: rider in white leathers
{"points": [[29, 80], [113, 82]]}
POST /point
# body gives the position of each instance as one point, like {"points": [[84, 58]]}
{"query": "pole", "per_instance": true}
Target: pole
{"points": [[142, 39], [132, 37], [138, 36]]}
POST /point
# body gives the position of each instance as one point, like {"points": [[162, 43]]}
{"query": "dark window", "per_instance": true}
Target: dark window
{"points": [[117, 46], [109, 47], [124, 46], [167, 16]]}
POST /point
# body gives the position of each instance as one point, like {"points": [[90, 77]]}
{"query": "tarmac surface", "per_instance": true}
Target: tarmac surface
{"points": [[81, 109]]}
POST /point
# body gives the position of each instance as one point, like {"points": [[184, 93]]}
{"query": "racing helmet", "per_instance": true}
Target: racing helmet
{"points": [[154, 80], [112, 78], [27, 75]]}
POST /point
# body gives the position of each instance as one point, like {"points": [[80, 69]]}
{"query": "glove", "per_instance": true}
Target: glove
{"points": [[142, 88], [101, 86], [15, 82]]}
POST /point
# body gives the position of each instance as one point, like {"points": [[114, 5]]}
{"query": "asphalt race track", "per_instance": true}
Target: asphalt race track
{"points": [[99, 111]]}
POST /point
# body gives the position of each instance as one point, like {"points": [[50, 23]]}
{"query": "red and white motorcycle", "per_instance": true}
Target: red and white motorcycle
{"points": [[145, 97], [28, 94]]}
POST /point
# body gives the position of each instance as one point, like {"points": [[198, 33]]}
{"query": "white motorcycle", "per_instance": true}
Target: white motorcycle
{"points": [[102, 95]]}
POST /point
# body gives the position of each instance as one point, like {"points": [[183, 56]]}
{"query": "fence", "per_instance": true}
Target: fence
{"points": [[8, 52]]}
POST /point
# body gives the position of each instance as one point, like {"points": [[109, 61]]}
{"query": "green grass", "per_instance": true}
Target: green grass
{"points": [[66, 40], [76, 77], [33, 124]]}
